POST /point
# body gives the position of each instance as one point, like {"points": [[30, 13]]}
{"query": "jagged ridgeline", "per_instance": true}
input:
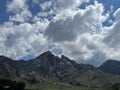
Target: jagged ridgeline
{"points": [[52, 69]]}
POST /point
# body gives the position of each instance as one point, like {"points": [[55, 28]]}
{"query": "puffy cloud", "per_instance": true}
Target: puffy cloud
{"points": [[53, 7], [86, 48], [21, 16], [23, 39], [69, 4], [111, 8], [62, 27], [19, 9], [67, 28], [16, 5], [117, 14], [73, 33], [113, 37]]}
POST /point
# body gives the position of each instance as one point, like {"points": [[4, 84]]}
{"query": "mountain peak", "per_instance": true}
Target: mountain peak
{"points": [[45, 54], [111, 66]]}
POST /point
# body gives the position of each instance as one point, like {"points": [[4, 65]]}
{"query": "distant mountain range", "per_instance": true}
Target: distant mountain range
{"points": [[48, 67], [111, 66]]}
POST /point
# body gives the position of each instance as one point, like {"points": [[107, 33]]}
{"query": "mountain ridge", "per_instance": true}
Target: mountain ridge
{"points": [[49, 67]]}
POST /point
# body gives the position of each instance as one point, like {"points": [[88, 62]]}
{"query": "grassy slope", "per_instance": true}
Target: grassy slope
{"points": [[98, 78], [50, 86], [89, 78]]}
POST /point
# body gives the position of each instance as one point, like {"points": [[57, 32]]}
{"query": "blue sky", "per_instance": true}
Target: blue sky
{"points": [[83, 30], [108, 4], [4, 16]]}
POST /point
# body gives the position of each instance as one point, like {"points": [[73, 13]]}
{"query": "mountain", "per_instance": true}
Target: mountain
{"points": [[111, 66], [50, 68]]}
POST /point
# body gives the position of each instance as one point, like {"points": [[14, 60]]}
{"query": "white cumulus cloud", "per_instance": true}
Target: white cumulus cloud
{"points": [[62, 27]]}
